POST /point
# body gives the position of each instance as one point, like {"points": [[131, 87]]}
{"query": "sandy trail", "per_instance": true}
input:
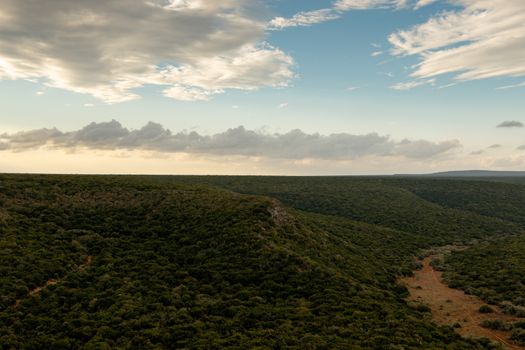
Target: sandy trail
{"points": [[87, 261], [450, 306]]}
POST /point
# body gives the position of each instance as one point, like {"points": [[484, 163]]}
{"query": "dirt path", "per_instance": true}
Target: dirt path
{"points": [[450, 306], [87, 261]]}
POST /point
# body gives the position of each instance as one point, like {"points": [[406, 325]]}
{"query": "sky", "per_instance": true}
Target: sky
{"points": [[270, 87]]}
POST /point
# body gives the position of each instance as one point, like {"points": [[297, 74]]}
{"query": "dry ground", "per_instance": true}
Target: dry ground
{"points": [[450, 306]]}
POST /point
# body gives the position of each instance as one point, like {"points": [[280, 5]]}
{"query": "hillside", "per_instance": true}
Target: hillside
{"points": [[167, 262], [488, 198], [405, 204], [495, 272], [473, 174]]}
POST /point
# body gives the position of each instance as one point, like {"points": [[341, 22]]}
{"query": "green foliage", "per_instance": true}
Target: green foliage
{"points": [[518, 336], [492, 199], [494, 270], [170, 262], [485, 309], [391, 202], [496, 325]]}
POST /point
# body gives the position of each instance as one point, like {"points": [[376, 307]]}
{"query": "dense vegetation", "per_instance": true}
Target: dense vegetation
{"points": [[171, 262], [390, 202], [495, 271], [492, 199]]}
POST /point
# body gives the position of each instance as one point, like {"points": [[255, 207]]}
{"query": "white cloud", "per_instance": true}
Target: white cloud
{"points": [[482, 39], [89, 105], [346, 5], [446, 86], [39, 93], [250, 68], [302, 19], [423, 3], [376, 53], [108, 48], [188, 93], [412, 84], [295, 144], [283, 105], [513, 86], [308, 18]]}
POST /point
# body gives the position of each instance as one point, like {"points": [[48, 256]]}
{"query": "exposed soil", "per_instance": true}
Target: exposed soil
{"points": [[452, 306]]}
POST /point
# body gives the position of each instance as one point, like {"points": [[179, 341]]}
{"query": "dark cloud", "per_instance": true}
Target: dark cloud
{"points": [[495, 146], [511, 124], [294, 144]]}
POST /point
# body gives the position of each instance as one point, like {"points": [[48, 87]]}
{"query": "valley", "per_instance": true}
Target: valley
{"points": [[161, 262], [452, 307]]}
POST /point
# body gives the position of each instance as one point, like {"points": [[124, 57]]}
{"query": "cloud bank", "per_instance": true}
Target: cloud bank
{"points": [[293, 145], [109, 48]]}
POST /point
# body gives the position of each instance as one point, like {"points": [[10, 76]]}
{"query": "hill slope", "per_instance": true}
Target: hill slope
{"points": [[138, 263], [409, 205]]}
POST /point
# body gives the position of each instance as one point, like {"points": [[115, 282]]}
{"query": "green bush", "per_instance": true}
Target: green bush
{"points": [[485, 309]]}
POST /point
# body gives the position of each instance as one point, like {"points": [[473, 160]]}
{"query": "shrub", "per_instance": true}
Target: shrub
{"points": [[496, 325], [485, 309], [518, 336], [422, 307]]}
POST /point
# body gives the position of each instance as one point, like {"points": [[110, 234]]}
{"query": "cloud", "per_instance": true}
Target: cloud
{"points": [[423, 3], [345, 5], [446, 86], [302, 19], [295, 144], [521, 148], [480, 152], [109, 48], [283, 105], [513, 86], [425, 149], [511, 124], [376, 53], [308, 18], [509, 162], [412, 84], [482, 39], [387, 74]]}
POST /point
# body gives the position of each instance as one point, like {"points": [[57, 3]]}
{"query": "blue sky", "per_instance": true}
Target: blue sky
{"points": [[344, 74]]}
